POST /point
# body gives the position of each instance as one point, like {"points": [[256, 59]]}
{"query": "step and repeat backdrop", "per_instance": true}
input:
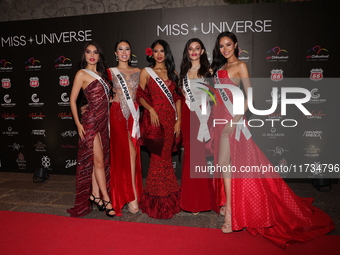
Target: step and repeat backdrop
{"points": [[291, 44]]}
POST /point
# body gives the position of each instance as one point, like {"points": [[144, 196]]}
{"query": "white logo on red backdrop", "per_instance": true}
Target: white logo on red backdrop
{"points": [[316, 74], [34, 82], [64, 80], [276, 75], [6, 83]]}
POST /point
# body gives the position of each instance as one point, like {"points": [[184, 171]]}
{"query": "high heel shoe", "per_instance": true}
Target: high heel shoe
{"points": [[133, 207], [108, 210], [101, 207], [226, 227]]}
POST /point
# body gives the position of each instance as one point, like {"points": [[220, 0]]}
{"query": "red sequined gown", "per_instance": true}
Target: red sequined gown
{"points": [[196, 192], [160, 198], [121, 122], [95, 121], [266, 206]]}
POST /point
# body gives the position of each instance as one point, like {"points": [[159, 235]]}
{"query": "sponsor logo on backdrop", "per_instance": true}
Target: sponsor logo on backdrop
{"points": [[36, 116], [15, 146], [316, 115], [34, 82], [69, 133], [317, 53], [316, 74], [8, 116], [63, 62], [7, 101], [243, 55], [313, 134], [5, 66], [312, 151], [65, 100], [64, 80], [35, 101], [33, 64], [273, 134], [65, 116], [70, 163], [278, 151], [68, 146], [49, 38], [21, 161], [276, 75], [316, 97], [239, 26], [39, 146], [38, 132], [134, 60], [6, 83], [46, 162], [10, 132], [277, 54]]}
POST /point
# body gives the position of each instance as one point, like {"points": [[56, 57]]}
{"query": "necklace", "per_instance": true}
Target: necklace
{"points": [[193, 69]]}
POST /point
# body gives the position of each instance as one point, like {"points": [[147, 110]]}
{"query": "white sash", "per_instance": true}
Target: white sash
{"points": [[203, 132], [105, 86], [241, 126], [106, 89], [130, 103], [162, 86]]}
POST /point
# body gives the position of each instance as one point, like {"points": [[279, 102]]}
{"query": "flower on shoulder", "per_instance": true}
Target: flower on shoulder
{"points": [[148, 52]]}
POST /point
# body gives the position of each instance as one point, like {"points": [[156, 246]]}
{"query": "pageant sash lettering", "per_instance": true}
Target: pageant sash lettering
{"points": [[134, 112], [194, 104], [241, 126], [100, 79], [162, 86]]}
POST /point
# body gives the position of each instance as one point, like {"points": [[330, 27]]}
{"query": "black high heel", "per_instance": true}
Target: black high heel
{"points": [[93, 201], [106, 203]]}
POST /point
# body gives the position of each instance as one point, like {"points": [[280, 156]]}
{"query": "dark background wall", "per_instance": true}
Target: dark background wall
{"points": [[39, 59]]}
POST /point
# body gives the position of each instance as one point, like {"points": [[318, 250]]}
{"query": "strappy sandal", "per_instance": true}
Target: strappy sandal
{"points": [[226, 227], [101, 207], [108, 210]]}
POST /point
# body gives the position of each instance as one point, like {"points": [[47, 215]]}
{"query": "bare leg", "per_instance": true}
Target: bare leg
{"points": [[133, 205], [99, 171], [224, 160]]}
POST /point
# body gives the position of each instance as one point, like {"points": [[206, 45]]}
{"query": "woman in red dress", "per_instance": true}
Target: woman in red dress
{"points": [[125, 165], [196, 188], [93, 172], [157, 94], [263, 204]]}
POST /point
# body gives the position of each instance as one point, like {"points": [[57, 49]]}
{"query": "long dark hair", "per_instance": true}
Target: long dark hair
{"points": [[101, 65], [126, 41], [218, 59], [203, 71], [169, 60]]}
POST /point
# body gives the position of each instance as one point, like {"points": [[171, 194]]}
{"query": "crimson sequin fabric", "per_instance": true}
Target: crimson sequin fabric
{"points": [[160, 198]]}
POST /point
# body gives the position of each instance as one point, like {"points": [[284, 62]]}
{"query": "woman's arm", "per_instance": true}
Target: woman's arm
{"points": [[143, 81]]}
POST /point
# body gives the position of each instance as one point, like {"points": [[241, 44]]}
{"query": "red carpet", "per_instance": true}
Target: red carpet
{"points": [[32, 233]]}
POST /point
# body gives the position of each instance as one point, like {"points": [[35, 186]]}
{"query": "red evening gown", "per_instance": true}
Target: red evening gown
{"points": [[266, 206], [196, 192], [160, 198], [120, 131], [95, 121]]}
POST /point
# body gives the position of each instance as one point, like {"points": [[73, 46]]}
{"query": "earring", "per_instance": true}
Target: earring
{"points": [[117, 58]]}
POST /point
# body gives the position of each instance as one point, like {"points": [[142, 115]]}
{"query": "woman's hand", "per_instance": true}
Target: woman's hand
{"points": [[154, 117], [177, 129], [228, 129], [81, 131]]}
